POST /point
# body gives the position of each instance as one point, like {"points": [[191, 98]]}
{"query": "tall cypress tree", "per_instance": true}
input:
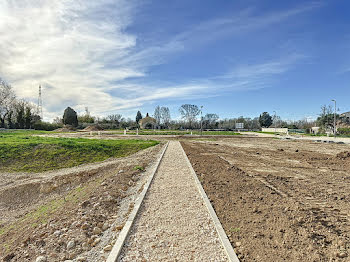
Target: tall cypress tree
{"points": [[70, 117], [138, 116]]}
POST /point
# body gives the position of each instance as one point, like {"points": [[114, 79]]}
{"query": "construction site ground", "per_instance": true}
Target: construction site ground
{"points": [[278, 200]]}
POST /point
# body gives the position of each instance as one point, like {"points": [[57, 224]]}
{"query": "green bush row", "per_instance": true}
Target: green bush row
{"points": [[344, 131], [39, 125]]}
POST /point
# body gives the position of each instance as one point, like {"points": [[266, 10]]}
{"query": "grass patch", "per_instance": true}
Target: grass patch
{"points": [[178, 132], [204, 139], [220, 133], [234, 229], [22, 152], [140, 168], [263, 132]]}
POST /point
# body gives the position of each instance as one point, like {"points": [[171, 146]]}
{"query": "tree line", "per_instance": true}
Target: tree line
{"points": [[16, 113]]}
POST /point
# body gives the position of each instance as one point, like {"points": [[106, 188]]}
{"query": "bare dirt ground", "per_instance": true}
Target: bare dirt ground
{"points": [[70, 214], [278, 200]]}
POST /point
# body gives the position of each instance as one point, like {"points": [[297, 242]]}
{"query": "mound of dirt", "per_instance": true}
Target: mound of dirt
{"points": [[343, 155], [65, 128], [93, 128]]}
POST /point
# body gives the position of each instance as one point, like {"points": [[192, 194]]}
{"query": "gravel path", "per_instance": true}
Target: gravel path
{"points": [[173, 223]]}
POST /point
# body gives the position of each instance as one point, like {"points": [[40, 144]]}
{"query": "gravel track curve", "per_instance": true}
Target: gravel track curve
{"points": [[173, 223]]}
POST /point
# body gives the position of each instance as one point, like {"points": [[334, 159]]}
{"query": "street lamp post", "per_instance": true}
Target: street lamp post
{"points": [[335, 117], [201, 120]]}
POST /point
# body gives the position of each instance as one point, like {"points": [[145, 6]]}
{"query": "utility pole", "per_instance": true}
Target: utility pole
{"points": [[201, 120], [275, 120], [335, 118]]}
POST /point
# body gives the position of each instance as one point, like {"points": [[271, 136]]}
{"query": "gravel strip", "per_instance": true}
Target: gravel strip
{"points": [[173, 223]]}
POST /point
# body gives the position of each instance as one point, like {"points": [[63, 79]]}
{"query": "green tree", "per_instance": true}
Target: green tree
{"points": [[27, 117], [70, 117], [265, 120], [9, 119], [326, 118], [20, 114], [138, 117]]}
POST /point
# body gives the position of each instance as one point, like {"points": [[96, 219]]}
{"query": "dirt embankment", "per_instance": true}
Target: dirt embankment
{"points": [[277, 200], [71, 215]]}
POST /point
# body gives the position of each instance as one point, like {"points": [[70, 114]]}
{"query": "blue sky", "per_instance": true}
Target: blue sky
{"points": [[233, 57]]}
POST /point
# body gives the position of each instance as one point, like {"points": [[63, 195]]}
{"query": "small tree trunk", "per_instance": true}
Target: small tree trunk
{"points": [[2, 124]]}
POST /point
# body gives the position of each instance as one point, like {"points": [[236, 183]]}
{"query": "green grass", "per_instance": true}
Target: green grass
{"points": [[20, 151], [325, 135], [178, 132], [220, 133], [262, 132], [140, 168]]}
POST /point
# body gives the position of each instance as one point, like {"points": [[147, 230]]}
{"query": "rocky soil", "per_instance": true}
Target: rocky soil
{"points": [[74, 216]]}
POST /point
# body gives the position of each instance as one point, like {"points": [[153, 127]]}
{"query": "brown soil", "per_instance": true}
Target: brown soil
{"points": [[40, 216], [343, 155], [278, 200], [93, 128], [64, 129]]}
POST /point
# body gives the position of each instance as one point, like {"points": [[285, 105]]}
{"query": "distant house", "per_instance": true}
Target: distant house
{"points": [[148, 122], [315, 130]]}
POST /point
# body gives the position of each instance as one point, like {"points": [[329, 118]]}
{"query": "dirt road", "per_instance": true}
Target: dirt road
{"points": [[278, 200]]}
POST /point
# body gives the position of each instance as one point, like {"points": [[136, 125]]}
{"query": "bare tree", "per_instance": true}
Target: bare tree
{"points": [[209, 120], [115, 118], [165, 115], [57, 121], [157, 115], [189, 113], [7, 98]]}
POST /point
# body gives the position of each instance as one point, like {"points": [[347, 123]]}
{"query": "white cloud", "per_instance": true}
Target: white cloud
{"points": [[82, 55], [65, 46]]}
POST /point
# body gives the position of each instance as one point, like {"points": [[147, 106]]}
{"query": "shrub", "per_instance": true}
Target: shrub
{"points": [[344, 131], [40, 125]]}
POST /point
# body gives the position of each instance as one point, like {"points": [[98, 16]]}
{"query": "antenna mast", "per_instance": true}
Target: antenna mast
{"points": [[40, 105]]}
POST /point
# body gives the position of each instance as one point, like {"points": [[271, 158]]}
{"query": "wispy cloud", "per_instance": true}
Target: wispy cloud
{"points": [[263, 71], [82, 54], [244, 21], [243, 77]]}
